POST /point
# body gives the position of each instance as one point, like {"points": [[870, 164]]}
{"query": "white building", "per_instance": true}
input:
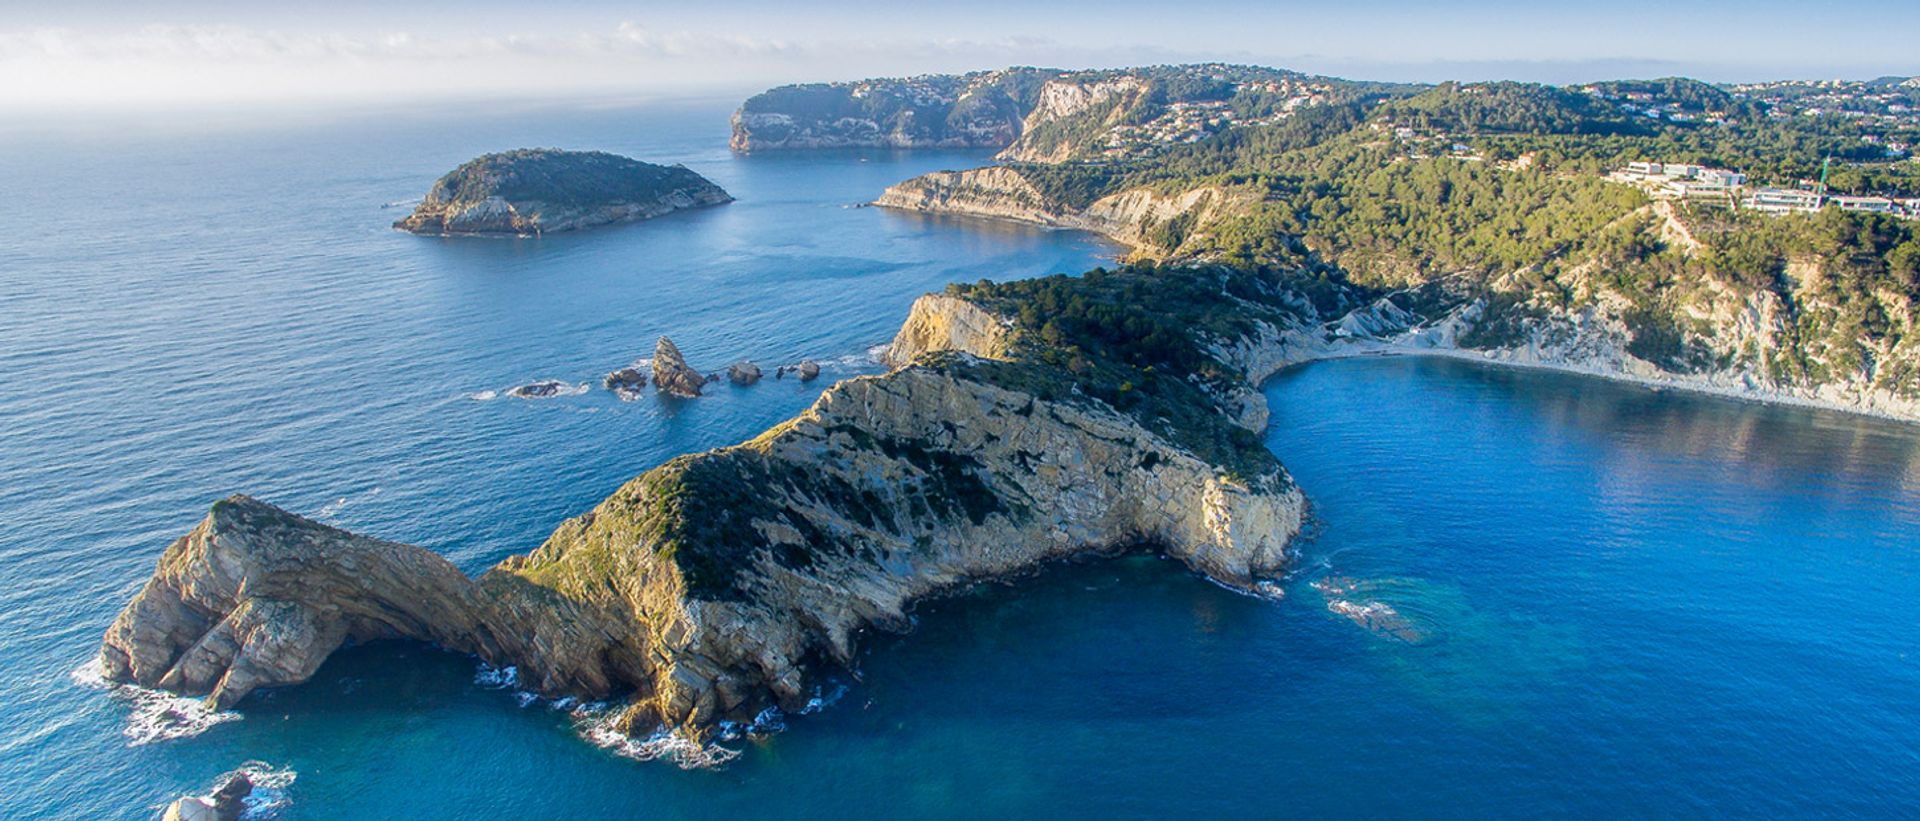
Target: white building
{"points": [[1782, 200], [1875, 205]]}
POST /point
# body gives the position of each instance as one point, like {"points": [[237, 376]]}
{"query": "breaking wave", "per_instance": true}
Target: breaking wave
{"points": [[153, 715], [595, 721]]}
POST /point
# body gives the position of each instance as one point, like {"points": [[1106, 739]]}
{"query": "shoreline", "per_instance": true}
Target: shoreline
{"points": [[1652, 383]]}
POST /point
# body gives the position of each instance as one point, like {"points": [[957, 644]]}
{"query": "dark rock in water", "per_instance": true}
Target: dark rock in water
{"points": [[808, 370], [537, 191], [225, 804], [628, 383], [671, 373], [542, 389], [743, 372]]}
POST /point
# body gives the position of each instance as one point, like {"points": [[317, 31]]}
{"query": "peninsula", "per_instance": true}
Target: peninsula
{"points": [[538, 191]]}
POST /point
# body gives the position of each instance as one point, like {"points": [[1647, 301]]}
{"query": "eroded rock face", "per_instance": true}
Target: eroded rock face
{"points": [[671, 373], [1130, 217], [225, 804], [255, 597], [537, 191]]}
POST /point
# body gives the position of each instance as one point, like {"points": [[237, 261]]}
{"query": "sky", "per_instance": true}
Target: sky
{"points": [[82, 54]]}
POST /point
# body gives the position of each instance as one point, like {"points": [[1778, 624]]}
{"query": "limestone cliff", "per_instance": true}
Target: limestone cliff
{"points": [[978, 110], [721, 583], [1071, 113], [538, 191], [1152, 222]]}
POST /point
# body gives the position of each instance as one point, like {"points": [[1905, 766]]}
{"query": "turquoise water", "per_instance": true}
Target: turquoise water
{"points": [[1603, 600]]}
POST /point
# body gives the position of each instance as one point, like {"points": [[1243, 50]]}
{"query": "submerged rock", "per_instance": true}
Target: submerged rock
{"points": [[671, 373], [542, 389], [538, 191], [743, 372]]}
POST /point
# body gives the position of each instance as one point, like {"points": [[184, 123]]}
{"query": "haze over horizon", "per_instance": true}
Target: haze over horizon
{"points": [[112, 53]]}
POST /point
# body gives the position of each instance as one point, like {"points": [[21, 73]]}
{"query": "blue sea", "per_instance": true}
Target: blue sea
{"points": [[1523, 594]]}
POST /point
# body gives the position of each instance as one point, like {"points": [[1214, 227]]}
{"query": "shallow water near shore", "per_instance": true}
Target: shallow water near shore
{"points": [[1525, 594]]}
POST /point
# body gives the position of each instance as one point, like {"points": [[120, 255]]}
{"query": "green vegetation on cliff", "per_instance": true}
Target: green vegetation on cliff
{"points": [[565, 178]]}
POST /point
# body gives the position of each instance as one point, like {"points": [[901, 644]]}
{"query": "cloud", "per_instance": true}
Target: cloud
{"points": [[167, 65]]}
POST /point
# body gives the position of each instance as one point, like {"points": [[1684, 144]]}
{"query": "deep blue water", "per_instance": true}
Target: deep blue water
{"points": [[1626, 603]]}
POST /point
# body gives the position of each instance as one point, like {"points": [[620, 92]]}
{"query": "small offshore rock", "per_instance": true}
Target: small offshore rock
{"points": [[225, 804], [542, 389], [670, 371], [628, 383], [808, 370], [743, 372]]}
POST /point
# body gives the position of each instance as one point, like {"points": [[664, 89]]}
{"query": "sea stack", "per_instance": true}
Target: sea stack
{"points": [[538, 191], [670, 371]]}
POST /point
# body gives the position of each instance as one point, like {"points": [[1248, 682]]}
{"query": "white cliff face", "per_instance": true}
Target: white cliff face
{"points": [[938, 322], [1102, 102], [1592, 340], [1071, 480], [1129, 217]]}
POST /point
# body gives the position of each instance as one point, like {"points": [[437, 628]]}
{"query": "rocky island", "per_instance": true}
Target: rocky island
{"points": [[538, 191]]}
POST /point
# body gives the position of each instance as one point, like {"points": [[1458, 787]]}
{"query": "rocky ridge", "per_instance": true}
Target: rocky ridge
{"points": [[538, 191], [721, 583]]}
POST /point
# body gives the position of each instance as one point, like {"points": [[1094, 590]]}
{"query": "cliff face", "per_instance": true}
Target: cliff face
{"points": [[720, 583], [1071, 114], [979, 110], [1139, 217], [531, 192]]}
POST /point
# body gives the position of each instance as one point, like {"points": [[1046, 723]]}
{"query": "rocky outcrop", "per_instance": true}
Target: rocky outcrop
{"points": [[630, 382], [255, 597], [979, 110], [671, 373], [225, 804], [1152, 222], [937, 322], [721, 583], [538, 191], [743, 372]]}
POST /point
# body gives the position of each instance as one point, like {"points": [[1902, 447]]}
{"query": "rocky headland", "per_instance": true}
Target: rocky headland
{"points": [[721, 583], [979, 110], [538, 191]]}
